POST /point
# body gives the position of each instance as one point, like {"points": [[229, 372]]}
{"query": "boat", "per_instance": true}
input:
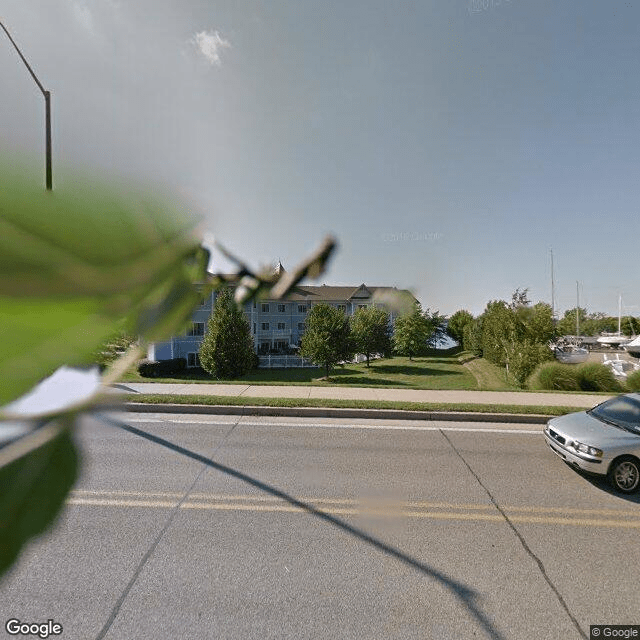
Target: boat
{"points": [[570, 354], [613, 340], [620, 368], [633, 347], [617, 339]]}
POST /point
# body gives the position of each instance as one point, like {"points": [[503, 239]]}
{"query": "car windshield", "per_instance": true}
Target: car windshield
{"points": [[623, 411]]}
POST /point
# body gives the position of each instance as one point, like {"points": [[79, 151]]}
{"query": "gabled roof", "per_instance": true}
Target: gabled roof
{"points": [[336, 294]]}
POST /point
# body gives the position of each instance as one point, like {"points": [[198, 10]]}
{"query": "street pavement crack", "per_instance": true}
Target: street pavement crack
{"points": [[464, 594], [145, 558], [520, 537]]}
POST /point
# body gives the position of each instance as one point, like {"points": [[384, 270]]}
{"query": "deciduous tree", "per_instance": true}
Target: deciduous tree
{"points": [[457, 322], [371, 332], [411, 332], [327, 337]]}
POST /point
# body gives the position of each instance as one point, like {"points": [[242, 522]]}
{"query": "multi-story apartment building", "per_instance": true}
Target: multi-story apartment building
{"points": [[277, 325]]}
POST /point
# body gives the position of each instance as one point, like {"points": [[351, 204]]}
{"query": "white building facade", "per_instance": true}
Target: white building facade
{"points": [[277, 326]]}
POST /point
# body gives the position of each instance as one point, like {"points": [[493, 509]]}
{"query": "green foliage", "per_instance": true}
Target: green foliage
{"points": [[592, 324], [629, 325], [81, 259], [566, 326], [516, 335], [75, 263], [498, 330], [554, 376], [327, 337], [34, 486], [370, 332], [436, 328], [633, 381], [115, 346], [593, 376], [524, 357], [457, 323], [411, 333], [472, 336], [227, 349]]}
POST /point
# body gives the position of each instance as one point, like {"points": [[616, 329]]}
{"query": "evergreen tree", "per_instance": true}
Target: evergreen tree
{"points": [[327, 337], [436, 328], [371, 332], [227, 349]]}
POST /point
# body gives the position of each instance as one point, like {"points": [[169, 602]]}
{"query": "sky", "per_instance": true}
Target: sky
{"points": [[450, 146]]}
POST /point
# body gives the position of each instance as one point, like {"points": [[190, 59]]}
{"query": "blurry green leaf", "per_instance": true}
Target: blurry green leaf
{"points": [[34, 486], [75, 261], [76, 265]]}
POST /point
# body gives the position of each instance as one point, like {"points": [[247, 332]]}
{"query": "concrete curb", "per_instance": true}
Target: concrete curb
{"points": [[333, 412]]}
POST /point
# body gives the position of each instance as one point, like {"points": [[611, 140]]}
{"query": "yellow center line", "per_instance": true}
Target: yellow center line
{"points": [[379, 502], [362, 508]]}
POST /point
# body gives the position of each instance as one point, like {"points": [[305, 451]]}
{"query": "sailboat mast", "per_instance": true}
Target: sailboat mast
{"points": [[553, 291], [577, 309], [619, 313]]}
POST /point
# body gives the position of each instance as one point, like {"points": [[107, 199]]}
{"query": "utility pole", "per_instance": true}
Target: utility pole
{"points": [[47, 110]]}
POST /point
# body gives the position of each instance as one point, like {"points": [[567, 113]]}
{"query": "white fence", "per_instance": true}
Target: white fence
{"points": [[283, 362]]}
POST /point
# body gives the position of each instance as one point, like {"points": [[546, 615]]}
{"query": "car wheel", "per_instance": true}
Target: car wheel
{"points": [[624, 474]]}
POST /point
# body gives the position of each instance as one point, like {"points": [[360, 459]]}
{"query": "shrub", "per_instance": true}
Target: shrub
{"points": [[594, 376], [162, 368], [554, 376], [633, 381]]}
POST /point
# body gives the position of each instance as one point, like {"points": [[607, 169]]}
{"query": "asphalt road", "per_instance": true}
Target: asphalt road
{"points": [[421, 530]]}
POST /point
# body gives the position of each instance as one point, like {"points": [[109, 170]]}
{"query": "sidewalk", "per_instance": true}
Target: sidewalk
{"points": [[367, 393]]}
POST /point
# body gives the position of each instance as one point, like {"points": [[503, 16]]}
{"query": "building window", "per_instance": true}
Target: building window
{"points": [[193, 360], [254, 327], [265, 326], [302, 308], [196, 329], [342, 307], [281, 326], [204, 300], [265, 307], [282, 308], [300, 326]]}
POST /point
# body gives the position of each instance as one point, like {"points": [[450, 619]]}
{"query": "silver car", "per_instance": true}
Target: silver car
{"points": [[604, 440]]}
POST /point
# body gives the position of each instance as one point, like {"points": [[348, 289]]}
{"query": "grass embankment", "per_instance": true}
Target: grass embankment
{"points": [[489, 377], [444, 370], [348, 404]]}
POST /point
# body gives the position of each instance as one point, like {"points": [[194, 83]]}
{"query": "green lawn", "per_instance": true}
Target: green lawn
{"points": [[489, 376], [349, 404], [431, 372]]}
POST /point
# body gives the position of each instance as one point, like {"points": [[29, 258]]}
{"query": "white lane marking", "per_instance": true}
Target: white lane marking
{"points": [[320, 425]]}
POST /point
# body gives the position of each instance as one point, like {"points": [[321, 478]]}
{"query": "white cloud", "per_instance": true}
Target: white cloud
{"points": [[210, 43]]}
